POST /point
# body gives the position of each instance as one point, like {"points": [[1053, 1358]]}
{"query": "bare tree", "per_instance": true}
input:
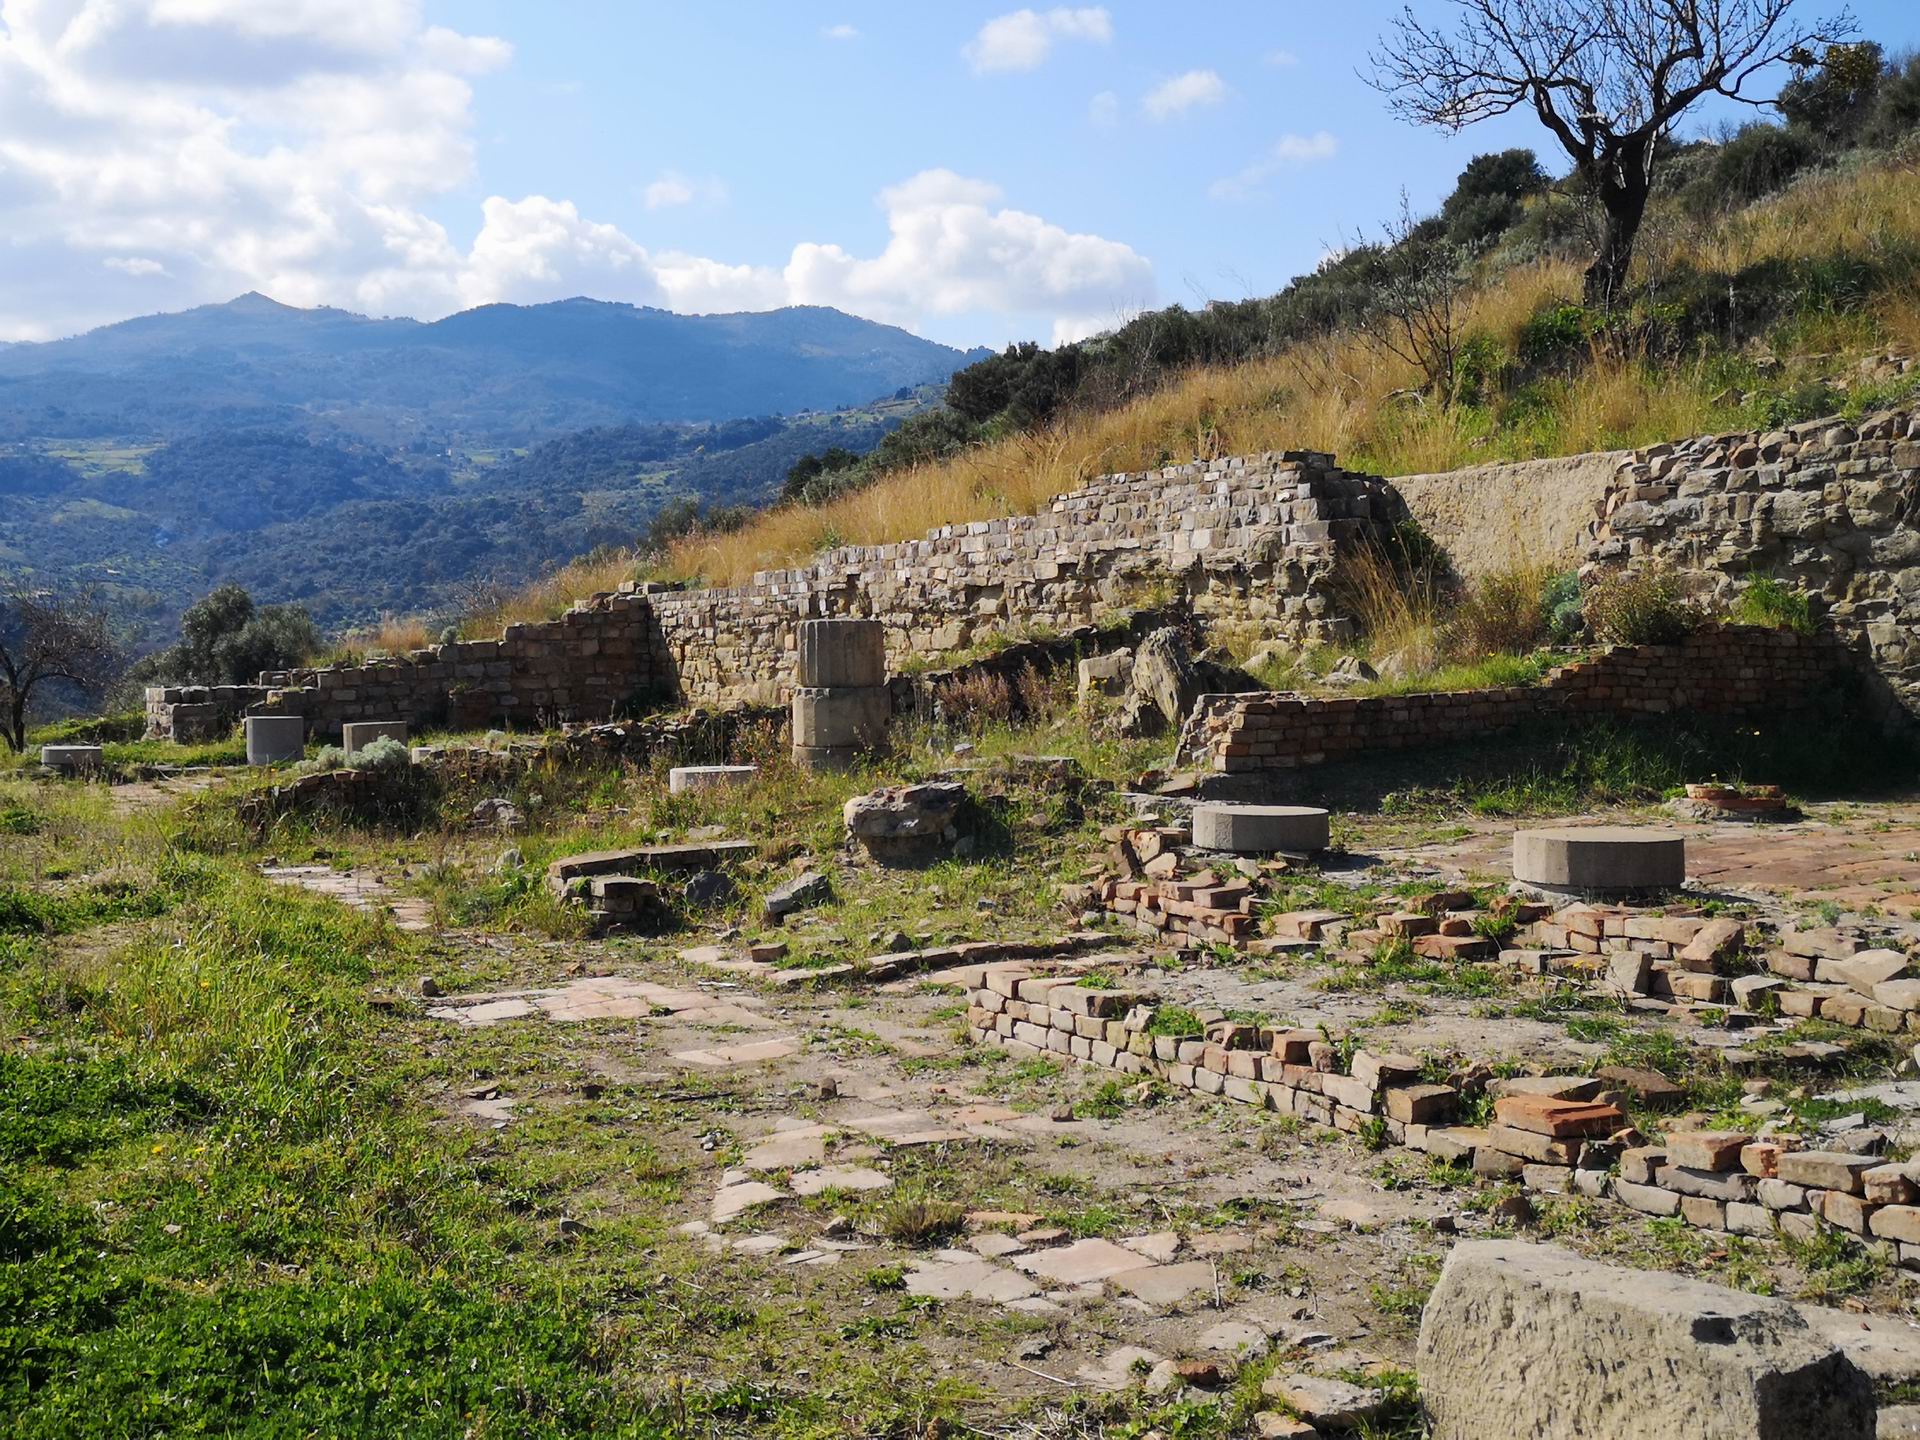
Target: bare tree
{"points": [[1418, 276], [1607, 78], [43, 639]]}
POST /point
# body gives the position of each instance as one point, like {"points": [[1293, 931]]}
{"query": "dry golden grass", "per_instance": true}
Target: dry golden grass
{"points": [[1337, 394], [551, 595]]}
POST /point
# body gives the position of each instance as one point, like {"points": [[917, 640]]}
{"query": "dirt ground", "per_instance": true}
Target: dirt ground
{"points": [[1109, 1227]]}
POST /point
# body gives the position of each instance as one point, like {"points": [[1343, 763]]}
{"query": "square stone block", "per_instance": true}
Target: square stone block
{"points": [[359, 734], [275, 739]]}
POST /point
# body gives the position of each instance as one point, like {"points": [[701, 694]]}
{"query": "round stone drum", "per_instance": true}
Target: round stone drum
{"points": [[1600, 859], [1260, 829]]}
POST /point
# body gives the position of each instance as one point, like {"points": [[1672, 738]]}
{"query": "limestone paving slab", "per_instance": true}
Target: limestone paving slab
{"points": [[1164, 1286], [1080, 1263], [839, 1177], [729, 1057]]}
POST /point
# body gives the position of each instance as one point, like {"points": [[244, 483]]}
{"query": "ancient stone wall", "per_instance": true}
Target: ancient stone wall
{"points": [[1828, 507], [1719, 670], [1251, 539], [587, 665]]}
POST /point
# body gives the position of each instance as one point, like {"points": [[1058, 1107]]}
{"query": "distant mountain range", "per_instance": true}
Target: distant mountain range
{"points": [[367, 466], [500, 373]]}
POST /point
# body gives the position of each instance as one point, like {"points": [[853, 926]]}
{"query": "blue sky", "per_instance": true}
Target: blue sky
{"points": [[978, 173]]}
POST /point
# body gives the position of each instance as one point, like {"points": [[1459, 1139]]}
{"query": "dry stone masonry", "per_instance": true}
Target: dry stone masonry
{"points": [[1827, 507]]}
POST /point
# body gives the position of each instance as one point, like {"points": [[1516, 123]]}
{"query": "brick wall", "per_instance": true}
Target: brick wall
{"points": [[1719, 670]]}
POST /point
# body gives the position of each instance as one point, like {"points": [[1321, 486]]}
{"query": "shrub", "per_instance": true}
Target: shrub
{"points": [[1560, 599], [1501, 614], [1756, 162], [1557, 335], [1639, 607], [383, 754], [326, 758], [1767, 601]]}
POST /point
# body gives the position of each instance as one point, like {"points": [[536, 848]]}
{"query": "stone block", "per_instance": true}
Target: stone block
{"points": [[275, 739], [841, 653], [1707, 1149], [1600, 859], [72, 759], [688, 779], [357, 735], [1522, 1339], [1260, 829], [838, 719], [1825, 1169]]}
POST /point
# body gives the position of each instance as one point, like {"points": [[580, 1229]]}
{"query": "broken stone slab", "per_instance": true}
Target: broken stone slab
{"points": [[1871, 968], [710, 855], [1080, 1263], [1521, 1339], [1323, 1403], [800, 893], [1164, 1286], [906, 823]]}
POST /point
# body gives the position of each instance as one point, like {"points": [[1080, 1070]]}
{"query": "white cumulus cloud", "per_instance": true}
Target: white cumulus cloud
{"points": [[164, 153], [841, 32], [1104, 110], [1183, 92], [1281, 59], [1289, 152], [1023, 39]]}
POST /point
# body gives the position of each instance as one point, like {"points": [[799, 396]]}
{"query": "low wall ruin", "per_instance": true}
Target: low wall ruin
{"points": [[1252, 541], [1719, 670]]}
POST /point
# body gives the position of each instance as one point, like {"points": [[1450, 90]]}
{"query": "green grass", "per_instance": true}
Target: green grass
{"points": [[1494, 672]]}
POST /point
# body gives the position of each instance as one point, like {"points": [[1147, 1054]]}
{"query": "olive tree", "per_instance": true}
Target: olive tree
{"points": [[45, 640], [1607, 78]]}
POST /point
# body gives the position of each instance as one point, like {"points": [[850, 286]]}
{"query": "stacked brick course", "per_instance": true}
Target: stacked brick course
{"points": [[1718, 670], [1554, 1134]]}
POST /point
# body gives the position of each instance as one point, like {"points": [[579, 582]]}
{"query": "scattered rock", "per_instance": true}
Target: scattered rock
{"points": [[430, 987], [708, 888], [906, 824], [1329, 1404], [801, 893]]}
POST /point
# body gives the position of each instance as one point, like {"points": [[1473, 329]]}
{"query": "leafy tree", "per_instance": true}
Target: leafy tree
{"points": [[225, 639], [48, 641], [1831, 100], [1607, 78], [1486, 200]]}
